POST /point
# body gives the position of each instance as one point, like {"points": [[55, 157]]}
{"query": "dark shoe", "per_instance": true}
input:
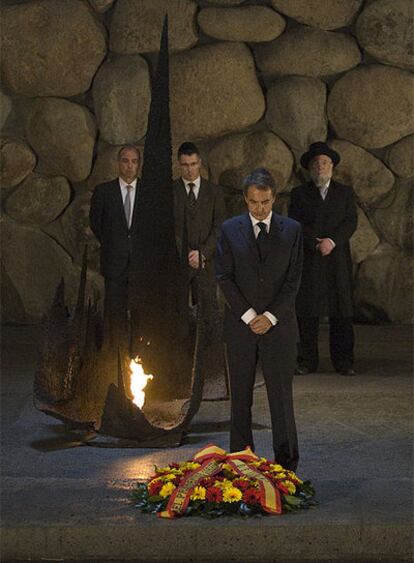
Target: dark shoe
{"points": [[347, 371]]}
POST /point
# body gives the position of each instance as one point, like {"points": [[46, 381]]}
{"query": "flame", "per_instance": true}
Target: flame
{"points": [[139, 380]]}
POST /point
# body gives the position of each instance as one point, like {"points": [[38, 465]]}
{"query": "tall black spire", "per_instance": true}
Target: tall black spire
{"points": [[157, 292]]}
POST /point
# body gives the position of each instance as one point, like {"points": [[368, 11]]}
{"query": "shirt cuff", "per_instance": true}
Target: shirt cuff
{"points": [[332, 242], [249, 315], [271, 318]]}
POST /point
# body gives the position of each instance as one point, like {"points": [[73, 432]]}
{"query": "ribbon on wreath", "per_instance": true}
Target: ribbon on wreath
{"points": [[211, 458]]}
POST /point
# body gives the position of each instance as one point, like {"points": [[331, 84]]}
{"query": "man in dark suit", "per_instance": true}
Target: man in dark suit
{"points": [[199, 212], [258, 267], [112, 219], [327, 212]]}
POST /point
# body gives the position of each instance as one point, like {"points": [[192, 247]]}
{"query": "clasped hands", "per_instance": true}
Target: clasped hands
{"points": [[260, 324], [196, 259], [324, 246]]}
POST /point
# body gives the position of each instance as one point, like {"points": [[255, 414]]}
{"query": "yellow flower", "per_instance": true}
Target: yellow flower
{"points": [[199, 493], [225, 484], [191, 465], [276, 467], [167, 489], [165, 469], [168, 477], [294, 477], [227, 467], [290, 486], [231, 494]]}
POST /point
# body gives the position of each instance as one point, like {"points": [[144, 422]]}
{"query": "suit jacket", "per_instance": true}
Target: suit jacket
{"points": [[209, 215], [108, 223], [266, 285], [326, 286]]}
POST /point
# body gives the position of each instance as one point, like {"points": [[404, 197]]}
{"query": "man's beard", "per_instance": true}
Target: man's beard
{"points": [[320, 179]]}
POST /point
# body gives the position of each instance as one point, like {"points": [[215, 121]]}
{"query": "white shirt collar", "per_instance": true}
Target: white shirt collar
{"points": [[265, 221], [124, 184], [196, 183]]}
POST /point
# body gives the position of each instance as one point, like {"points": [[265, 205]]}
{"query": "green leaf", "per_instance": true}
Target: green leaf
{"points": [[155, 498], [292, 501]]}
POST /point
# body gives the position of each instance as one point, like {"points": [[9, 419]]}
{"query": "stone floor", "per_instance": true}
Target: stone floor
{"points": [[70, 502]]}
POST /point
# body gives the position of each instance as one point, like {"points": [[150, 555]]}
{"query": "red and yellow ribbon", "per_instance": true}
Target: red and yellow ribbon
{"points": [[211, 458]]}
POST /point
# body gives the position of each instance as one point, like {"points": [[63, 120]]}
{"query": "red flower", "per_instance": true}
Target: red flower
{"points": [[265, 467], [251, 496], [241, 484], [155, 487], [207, 482], [282, 488], [214, 494]]}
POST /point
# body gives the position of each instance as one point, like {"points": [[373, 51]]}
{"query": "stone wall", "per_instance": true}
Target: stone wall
{"points": [[252, 82]]}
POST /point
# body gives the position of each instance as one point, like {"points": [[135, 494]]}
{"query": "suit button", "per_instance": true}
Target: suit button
{"points": [[262, 279], [129, 236]]}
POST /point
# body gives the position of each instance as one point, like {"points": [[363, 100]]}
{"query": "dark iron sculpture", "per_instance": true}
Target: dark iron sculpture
{"points": [[82, 378], [85, 383]]}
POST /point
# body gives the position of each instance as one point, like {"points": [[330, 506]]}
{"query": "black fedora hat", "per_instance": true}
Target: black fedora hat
{"points": [[315, 150]]}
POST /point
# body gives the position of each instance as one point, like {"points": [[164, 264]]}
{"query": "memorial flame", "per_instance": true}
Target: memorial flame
{"points": [[139, 380]]}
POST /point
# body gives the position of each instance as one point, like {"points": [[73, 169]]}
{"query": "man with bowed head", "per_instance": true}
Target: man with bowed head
{"points": [[326, 209], [199, 212], [112, 219], [258, 268]]}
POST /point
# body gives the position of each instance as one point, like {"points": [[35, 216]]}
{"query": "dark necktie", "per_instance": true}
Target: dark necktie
{"points": [[191, 195], [262, 239], [127, 205]]}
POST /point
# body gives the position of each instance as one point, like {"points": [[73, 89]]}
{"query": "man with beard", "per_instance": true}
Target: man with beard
{"points": [[327, 212]]}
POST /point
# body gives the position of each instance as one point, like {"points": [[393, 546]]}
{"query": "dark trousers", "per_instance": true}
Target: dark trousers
{"points": [[341, 342], [244, 350]]}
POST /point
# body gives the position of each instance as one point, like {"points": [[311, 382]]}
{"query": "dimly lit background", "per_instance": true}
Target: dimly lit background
{"points": [[253, 83]]}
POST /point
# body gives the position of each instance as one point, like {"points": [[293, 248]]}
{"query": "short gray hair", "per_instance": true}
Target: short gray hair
{"points": [[129, 148], [261, 178]]}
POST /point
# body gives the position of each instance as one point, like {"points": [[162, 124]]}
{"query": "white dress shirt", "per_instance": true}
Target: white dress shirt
{"points": [[323, 190], [250, 314], [196, 188], [123, 186]]}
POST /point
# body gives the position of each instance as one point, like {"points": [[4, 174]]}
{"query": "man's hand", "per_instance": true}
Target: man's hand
{"points": [[194, 259], [260, 324], [324, 246]]}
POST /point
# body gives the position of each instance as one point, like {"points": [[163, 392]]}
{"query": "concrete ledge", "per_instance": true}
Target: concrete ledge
{"points": [[225, 540]]}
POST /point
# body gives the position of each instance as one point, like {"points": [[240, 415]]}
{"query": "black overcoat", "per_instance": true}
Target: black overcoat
{"points": [[326, 287]]}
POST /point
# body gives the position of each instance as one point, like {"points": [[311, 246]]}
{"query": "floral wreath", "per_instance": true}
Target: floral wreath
{"points": [[215, 483]]}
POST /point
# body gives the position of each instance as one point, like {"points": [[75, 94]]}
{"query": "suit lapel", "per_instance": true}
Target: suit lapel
{"points": [[331, 194], [316, 194], [203, 194], [276, 227], [246, 229], [136, 204], [118, 203]]}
